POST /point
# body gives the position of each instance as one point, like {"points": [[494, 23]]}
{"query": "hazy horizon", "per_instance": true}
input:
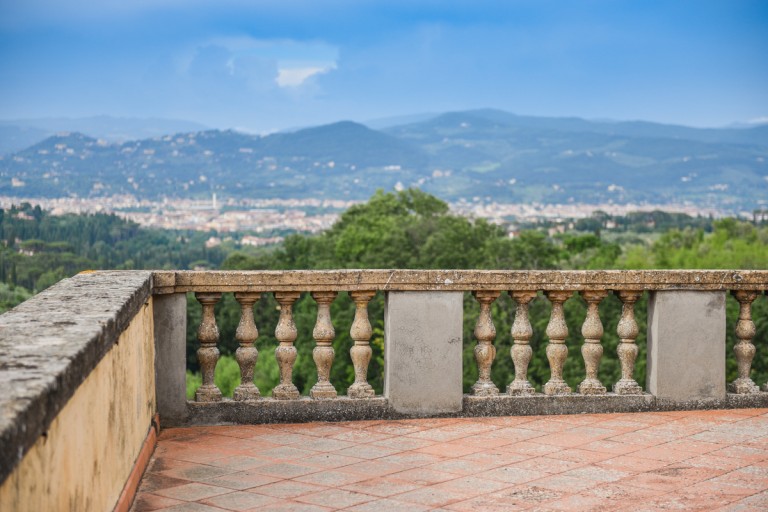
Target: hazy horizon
{"points": [[267, 66]]}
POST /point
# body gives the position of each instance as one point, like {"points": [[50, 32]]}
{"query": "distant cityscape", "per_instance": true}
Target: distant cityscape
{"points": [[266, 221]]}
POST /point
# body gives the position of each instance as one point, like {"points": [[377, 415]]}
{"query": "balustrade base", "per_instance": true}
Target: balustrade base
{"points": [[324, 391], [557, 388], [245, 392], [627, 387], [520, 388], [362, 390], [743, 387], [208, 394], [484, 389], [285, 392], [343, 408], [591, 387]]}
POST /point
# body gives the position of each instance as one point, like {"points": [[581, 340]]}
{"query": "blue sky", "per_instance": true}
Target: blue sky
{"points": [[267, 65]]}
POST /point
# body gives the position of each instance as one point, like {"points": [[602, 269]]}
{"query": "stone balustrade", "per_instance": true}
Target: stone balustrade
{"points": [[423, 341], [112, 346]]}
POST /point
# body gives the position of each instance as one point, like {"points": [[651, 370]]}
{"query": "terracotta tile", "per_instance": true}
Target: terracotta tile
{"points": [[516, 433], [331, 478], [663, 454], [402, 444], [632, 464], [192, 492], [192, 507], [242, 480], [655, 482], [373, 468], [389, 505], [597, 474], [689, 445], [239, 500], [290, 506], [563, 483], [528, 495], [549, 465], [611, 446], [158, 464], [286, 489], [198, 473], [713, 461], [430, 496], [285, 470], [531, 448], [382, 487], [329, 460], [411, 459], [336, 498], [564, 440], [360, 436], [470, 486], [512, 475], [495, 458], [154, 481], [146, 502], [367, 451], [465, 466], [587, 456], [581, 502], [285, 453], [744, 453], [237, 462], [423, 476], [454, 449]]}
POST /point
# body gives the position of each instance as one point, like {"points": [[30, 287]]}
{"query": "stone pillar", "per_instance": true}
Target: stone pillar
{"points": [[423, 345], [246, 335], [686, 345], [485, 352], [170, 325], [208, 353]]}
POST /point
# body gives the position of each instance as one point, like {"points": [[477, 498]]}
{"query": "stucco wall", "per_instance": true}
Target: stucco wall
{"points": [[85, 457]]}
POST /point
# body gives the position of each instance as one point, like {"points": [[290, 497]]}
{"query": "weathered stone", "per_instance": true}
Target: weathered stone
{"points": [[323, 334], [246, 354], [361, 351], [521, 349], [170, 326], [627, 330], [423, 345], [50, 344], [686, 345], [208, 353], [592, 350], [456, 280], [485, 352], [744, 349], [557, 351], [285, 353]]}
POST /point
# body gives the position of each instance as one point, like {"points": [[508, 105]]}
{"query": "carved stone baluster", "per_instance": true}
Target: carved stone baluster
{"points": [[246, 353], [592, 350], [361, 350], [485, 352], [285, 353], [521, 350], [744, 349], [208, 354], [323, 352], [627, 350], [557, 351]]}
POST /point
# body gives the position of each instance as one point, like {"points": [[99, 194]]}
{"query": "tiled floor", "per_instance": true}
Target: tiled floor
{"points": [[692, 460]]}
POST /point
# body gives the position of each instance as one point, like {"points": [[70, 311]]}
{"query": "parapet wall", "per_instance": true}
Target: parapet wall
{"points": [[78, 396]]}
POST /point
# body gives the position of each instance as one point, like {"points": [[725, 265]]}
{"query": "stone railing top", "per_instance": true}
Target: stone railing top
{"points": [[456, 280], [49, 345]]}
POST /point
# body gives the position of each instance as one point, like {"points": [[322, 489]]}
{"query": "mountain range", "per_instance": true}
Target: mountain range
{"points": [[487, 153]]}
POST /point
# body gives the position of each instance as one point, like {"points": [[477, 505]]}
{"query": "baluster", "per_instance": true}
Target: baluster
{"points": [[744, 349], [557, 351], [323, 351], [592, 350], [521, 349], [485, 352], [361, 350], [285, 353], [627, 349], [246, 353], [208, 353]]}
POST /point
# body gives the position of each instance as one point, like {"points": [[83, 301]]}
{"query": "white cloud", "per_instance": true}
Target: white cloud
{"points": [[295, 76]]}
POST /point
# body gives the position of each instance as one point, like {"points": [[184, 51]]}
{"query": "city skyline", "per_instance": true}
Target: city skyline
{"points": [[267, 66]]}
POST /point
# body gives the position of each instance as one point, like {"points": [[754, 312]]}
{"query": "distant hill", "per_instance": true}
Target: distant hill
{"points": [[18, 134], [480, 153]]}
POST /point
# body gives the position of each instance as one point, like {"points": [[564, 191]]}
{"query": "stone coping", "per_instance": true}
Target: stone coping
{"points": [[51, 343], [456, 280]]}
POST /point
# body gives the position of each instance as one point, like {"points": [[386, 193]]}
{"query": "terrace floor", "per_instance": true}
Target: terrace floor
{"points": [[689, 460]]}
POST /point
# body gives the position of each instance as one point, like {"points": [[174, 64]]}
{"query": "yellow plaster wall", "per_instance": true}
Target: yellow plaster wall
{"points": [[83, 461]]}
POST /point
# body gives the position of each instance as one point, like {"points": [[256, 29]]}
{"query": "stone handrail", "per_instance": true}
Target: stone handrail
{"points": [[558, 286]]}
